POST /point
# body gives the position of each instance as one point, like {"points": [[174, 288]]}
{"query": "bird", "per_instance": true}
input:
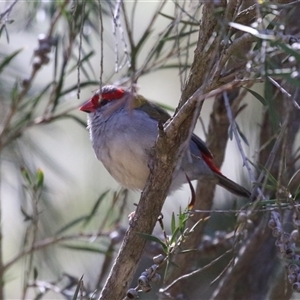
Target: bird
{"points": [[123, 128]]}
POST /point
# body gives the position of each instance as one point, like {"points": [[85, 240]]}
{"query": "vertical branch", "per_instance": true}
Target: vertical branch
{"points": [[206, 58]]}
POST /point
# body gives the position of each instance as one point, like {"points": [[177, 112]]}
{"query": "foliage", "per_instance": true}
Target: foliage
{"points": [[236, 45]]}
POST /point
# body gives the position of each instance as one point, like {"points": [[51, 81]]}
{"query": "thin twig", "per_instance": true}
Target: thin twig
{"points": [[285, 92], [286, 206], [8, 10], [163, 290], [245, 160], [80, 47], [101, 45], [238, 140], [44, 244], [34, 71]]}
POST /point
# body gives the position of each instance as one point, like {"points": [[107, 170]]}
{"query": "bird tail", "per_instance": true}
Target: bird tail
{"points": [[232, 186]]}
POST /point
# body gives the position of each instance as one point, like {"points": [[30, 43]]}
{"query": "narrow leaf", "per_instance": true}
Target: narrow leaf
{"points": [[180, 21], [174, 235], [230, 132], [95, 208], [274, 118], [293, 81], [26, 176], [82, 84], [173, 223], [71, 224], [8, 59], [33, 102], [243, 137], [85, 58], [35, 273], [162, 42], [79, 285], [27, 217], [39, 178], [257, 96], [87, 248], [181, 35], [153, 238], [288, 50]]}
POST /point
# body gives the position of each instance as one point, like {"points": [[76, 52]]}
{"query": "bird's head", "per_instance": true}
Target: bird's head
{"points": [[110, 99], [109, 94]]}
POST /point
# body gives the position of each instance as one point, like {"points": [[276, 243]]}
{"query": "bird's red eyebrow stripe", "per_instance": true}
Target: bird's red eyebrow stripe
{"points": [[95, 100], [113, 94]]}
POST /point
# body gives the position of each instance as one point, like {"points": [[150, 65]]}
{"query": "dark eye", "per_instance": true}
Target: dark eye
{"points": [[104, 102]]}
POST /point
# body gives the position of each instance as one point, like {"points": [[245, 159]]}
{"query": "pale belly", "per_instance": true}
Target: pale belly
{"points": [[123, 150], [127, 163]]}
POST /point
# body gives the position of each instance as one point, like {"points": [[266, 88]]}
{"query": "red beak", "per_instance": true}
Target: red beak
{"points": [[88, 106]]}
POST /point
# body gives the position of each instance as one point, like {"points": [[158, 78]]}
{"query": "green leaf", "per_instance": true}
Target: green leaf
{"points": [[243, 137], [35, 273], [297, 193], [288, 50], [95, 208], [39, 178], [153, 238], [293, 81], [85, 58], [88, 248], [27, 217], [183, 217], [26, 176], [1, 29], [79, 284], [82, 68], [141, 42], [176, 66], [86, 218], [6, 34], [230, 132], [257, 96], [174, 235], [274, 118], [71, 224], [272, 181], [14, 94], [82, 84], [56, 56], [164, 106], [181, 35], [173, 223], [180, 21], [36, 100], [8, 59], [33, 102], [293, 177], [162, 41]]}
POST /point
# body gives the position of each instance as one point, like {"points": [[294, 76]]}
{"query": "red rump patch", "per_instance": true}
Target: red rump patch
{"points": [[209, 162]]}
